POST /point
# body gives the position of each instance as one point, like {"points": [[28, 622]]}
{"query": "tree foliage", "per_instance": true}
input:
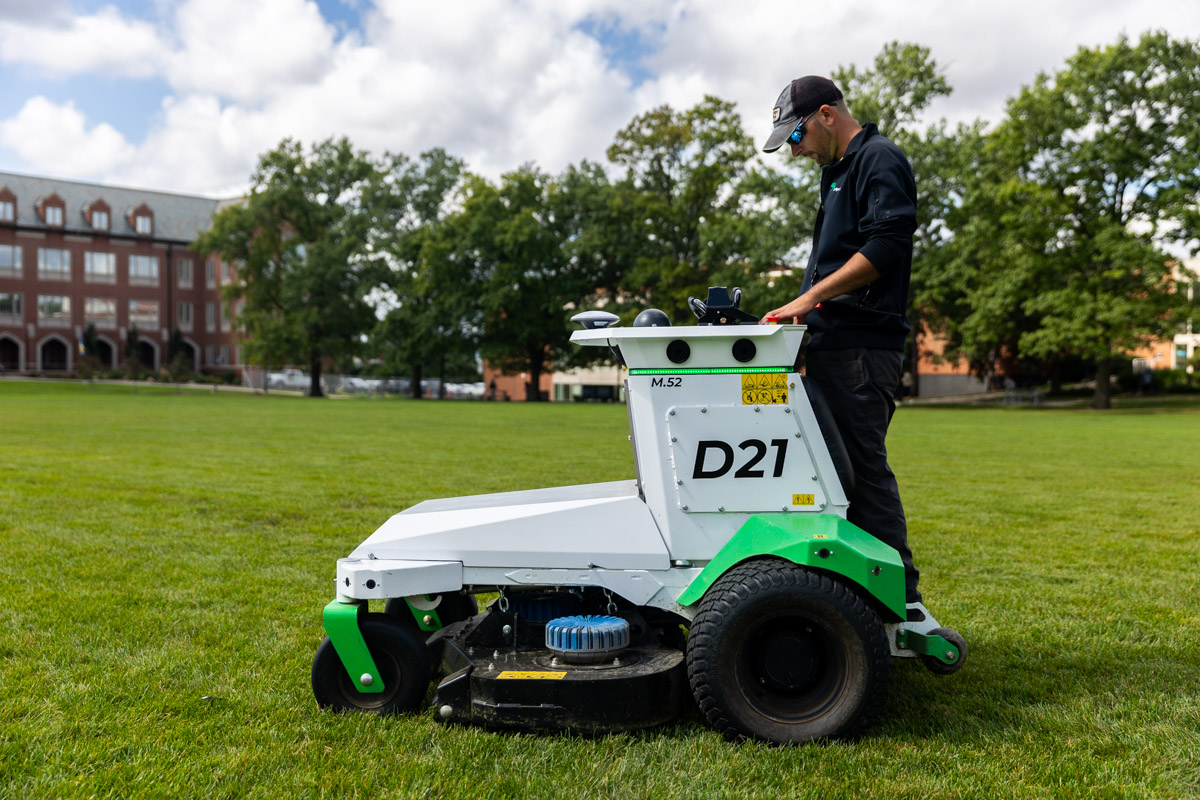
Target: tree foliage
{"points": [[1096, 167], [432, 319], [682, 173], [298, 241]]}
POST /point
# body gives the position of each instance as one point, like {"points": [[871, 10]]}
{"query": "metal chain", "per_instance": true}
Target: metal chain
{"points": [[503, 602], [612, 604]]}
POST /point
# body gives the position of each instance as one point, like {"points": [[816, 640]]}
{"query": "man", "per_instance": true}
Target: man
{"points": [[855, 289]]}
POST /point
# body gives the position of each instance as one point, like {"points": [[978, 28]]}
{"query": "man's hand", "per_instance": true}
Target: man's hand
{"points": [[856, 272], [797, 310]]}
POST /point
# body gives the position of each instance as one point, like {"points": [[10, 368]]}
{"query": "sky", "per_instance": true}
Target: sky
{"points": [[184, 95]]}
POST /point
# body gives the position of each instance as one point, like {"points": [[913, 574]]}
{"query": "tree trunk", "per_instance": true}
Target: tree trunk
{"points": [[914, 348], [1103, 394], [1055, 376], [442, 378], [532, 391], [415, 389], [314, 388]]}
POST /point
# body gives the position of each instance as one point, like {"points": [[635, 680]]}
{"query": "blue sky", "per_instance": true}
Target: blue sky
{"points": [[182, 95]]}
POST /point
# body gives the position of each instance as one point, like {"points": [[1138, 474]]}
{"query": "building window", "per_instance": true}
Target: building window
{"points": [[10, 307], [210, 274], [100, 267], [10, 261], [8, 211], [143, 313], [210, 317], [143, 270], [185, 316], [54, 265], [101, 311], [225, 326], [143, 224], [223, 358], [100, 220], [208, 355], [53, 215], [226, 275], [54, 311], [183, 268]]}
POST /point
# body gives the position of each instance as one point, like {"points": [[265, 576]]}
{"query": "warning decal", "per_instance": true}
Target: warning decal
{"points": [[513, 675], [765, 389], [803, 500]]}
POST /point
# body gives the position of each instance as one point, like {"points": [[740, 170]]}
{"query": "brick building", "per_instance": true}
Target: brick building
{"points": [[74, 254]]}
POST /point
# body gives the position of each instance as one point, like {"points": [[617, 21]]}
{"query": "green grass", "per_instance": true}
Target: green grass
{"points": [[164, 559]]}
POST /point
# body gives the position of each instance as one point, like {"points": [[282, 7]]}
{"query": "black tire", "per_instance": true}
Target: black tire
{"points": [[955, 638], [400, 658], [452, 608], [779, 653]]}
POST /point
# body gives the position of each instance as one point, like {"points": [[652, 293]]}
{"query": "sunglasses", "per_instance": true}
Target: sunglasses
{"points": [[798, 134]]}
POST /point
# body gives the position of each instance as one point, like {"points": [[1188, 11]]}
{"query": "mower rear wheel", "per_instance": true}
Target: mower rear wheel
{"points": [[399, 656], [938, 667], [452, 608], [786, 655]]}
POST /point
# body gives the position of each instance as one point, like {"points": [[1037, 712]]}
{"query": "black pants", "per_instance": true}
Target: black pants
{"points": [[859, 384]]}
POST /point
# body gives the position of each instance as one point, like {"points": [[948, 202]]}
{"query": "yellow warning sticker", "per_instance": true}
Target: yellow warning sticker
{"points": [[765, 389], [803, 499], [514, 675], [820, 535]]}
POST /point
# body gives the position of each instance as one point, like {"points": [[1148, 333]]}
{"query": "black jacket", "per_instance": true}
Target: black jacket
{"points": [[868, 205]]}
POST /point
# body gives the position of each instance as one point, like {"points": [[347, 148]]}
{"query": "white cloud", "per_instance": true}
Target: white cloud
{"points": [[104, 42], [54, 139], [249, 51], [497, 82]]}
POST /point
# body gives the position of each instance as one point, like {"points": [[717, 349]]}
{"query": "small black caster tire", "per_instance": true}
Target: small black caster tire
{"points": [[939, 667], [779, 653], [453, 608], [400, 657]]}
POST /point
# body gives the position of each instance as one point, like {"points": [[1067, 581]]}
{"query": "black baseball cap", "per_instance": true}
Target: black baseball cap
{"points": [[798, 99]]}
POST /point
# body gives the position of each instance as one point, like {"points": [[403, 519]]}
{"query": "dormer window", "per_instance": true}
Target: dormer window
{"points": [[52, 210], [8, 205], [98, 215], [141, 219]]}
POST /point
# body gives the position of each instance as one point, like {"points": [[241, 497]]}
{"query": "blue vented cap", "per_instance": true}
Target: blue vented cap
{"points": [[584, 639]]}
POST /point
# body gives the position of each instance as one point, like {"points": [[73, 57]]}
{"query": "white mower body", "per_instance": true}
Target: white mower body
{"points": [[722, 433]]}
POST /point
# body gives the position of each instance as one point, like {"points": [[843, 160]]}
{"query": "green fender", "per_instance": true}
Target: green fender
{"points": [[341, 623], [821, 541]]}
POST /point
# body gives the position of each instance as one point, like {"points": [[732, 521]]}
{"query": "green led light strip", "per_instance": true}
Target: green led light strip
{"points": [[710, 371]]}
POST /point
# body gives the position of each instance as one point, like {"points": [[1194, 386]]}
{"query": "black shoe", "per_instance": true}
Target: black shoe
{"points": [[915, 615]]}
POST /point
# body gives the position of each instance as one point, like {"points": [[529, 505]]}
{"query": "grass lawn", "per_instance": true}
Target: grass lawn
{"points": [[164, 559]]}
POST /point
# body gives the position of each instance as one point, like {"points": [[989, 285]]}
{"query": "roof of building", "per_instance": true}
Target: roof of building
{"points": [[177, 217]]}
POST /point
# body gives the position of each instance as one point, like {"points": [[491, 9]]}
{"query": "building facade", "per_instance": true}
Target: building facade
{"points": [[75, 254]]}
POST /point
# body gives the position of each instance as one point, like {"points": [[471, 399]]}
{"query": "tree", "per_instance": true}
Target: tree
{"points": [[133, 361], [299, 241], [682, 174], [518, 238], [1105, 158], [433, 321]]}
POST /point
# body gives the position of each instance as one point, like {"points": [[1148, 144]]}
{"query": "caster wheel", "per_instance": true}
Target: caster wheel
{"points": [[955, 638], [399, 656], [786, 655], [452, 608]]}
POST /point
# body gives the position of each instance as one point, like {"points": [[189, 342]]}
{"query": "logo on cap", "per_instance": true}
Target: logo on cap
{"points": [[775, 114]]}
